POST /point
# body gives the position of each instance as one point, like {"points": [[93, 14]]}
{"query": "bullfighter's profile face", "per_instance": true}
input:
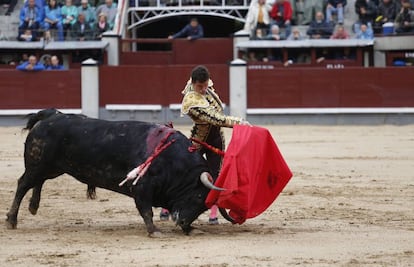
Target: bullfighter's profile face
{"points": [[200, 87]]}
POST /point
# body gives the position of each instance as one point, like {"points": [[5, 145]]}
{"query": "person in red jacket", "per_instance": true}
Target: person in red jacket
{"points": [[281, 14]]}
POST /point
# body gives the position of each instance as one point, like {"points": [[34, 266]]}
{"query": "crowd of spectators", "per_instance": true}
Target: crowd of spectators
{"points": [[83, 20], [66, 19], [324, 17], [87, 19], [31, 63]]}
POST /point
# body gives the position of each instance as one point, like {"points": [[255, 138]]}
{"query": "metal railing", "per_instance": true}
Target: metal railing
{"points": [[185, 3], [142, 12]]}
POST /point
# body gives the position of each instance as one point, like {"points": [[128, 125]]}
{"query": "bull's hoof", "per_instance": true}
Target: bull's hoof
{"points": [[91, 193], [11, 225], [33, 209], [156, 234], [187, 229]]}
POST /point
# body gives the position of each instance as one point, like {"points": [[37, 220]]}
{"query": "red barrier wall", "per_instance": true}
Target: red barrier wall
{"points": [[45, 89], [275, 88], [183, 51], [153, 84], [349, 87]]}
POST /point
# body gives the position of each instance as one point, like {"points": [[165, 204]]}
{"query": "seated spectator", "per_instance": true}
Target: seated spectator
{"points": [[311, 7], [335, 6], [40, 5], [340, 33], [46, 59], [405, 19], [30, 19], [27, 36], [24, 58], [386, 13], [101, 26], [367, 12], [54, 64], [10, 6], [53, 20], [31, 65], [297, 56], [296, 35], [88, 12], [191, 31], [260, 34], [281, 14], [319, 28], [109, 9], [257, 17], [274, 34], [81, 30], [69, 16], [365, 32]]}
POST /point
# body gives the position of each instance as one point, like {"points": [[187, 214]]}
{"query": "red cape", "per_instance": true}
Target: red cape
{"points": [[253, 174]]}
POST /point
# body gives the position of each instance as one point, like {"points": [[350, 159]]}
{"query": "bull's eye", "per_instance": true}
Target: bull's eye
{"points": [[199, 197]]}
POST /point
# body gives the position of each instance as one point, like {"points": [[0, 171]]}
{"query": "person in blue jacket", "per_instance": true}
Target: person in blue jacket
{"points": [[54, 60], [191, 31], [30, 18], [31, 65], [365, 32], [53, 19]]}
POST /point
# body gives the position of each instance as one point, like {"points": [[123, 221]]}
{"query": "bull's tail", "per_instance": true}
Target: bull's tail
{"points": [[33, 118]]}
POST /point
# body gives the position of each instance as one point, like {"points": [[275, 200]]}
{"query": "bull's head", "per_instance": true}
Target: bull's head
{"points": [[194, 206]]}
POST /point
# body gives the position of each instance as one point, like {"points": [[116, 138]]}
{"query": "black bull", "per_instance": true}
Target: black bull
{"points": [[101, 153]]}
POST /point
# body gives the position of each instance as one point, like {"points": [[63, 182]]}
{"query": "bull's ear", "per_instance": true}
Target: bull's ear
{"points": [[207, 181]]}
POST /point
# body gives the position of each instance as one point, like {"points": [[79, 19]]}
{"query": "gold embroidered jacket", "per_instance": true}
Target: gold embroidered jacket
{"points": [[206, 111]]}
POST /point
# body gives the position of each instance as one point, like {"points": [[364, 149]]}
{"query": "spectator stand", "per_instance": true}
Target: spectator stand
{"points": [[72, 52], [394, 51], [327, 53], [11, 51]]}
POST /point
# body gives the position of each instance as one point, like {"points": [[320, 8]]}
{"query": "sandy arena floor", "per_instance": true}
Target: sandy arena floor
{"points": [[350, 203]]}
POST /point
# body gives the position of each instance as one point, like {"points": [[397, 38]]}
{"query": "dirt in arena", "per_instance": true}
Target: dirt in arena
{"points": [[350, 203]]}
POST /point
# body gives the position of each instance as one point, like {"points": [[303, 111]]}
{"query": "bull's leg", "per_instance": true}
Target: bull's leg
{"points": [[35, 199], [91, 192], [23, 185], [145, 210]]}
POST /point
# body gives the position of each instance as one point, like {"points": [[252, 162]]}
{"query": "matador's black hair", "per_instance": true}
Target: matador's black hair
{"points": [[200, 74]]}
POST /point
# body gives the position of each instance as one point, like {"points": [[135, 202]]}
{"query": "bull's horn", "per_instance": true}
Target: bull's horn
{"points": [[207, 180], [226, 216]]}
